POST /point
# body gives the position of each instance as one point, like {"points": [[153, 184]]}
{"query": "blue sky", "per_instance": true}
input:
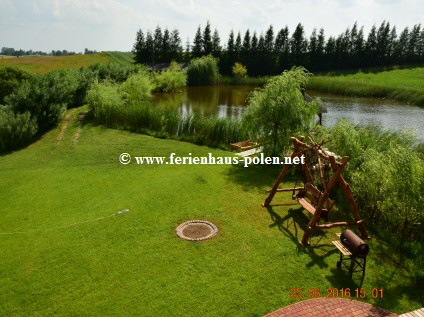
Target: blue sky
{"points": [[112, 24]]}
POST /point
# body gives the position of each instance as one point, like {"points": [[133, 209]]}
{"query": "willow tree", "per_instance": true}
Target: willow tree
{"points": [[278, 111]]}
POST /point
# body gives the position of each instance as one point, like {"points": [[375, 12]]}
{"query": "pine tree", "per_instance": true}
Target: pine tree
{"points": [[197, 48], [207, 40], [176, 49], [231, 57], [401, 47], [216, 44], [359, 49], [320, 50], [371, 47], [139, 48], [261, 52], [157, 45], [187, 53], [237, 48], [312, 50], [245, 49], [298, 46], [150, 52], [282, 48], [269, 59], [414, 37], [166, 47], [252, 66]]}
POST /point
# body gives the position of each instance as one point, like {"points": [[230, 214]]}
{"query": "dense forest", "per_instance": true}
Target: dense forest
{"points": [[272, 52]]}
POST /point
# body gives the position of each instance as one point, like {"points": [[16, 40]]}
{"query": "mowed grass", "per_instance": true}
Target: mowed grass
{"points": [[401, 84], [66, 253], [45, 64]]}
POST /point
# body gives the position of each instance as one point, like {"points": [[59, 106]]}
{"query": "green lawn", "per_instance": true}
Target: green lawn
{"points": [[65, 253], [401, 84]]}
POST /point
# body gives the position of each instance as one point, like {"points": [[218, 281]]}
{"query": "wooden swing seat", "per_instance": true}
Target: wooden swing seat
{"points": [[308, 198], [315, 201]]}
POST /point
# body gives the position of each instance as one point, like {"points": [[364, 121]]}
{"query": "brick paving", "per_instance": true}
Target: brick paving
{"points": [[331, 307]]}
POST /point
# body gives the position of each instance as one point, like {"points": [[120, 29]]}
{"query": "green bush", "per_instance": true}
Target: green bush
{"points": [[278, 111], [46, 96], [10, 79], [386, 172], [239, 70], [15, 129], [106, 103], [114, 71], [203, 71], [171, 80], [137, 88]]}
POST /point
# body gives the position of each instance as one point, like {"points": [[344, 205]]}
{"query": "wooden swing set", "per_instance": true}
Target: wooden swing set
{"points": [[321, 170]]}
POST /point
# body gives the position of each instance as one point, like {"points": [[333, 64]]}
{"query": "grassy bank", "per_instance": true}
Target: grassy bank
{"points": [[45, 64], [248, 81], [400, 84], [69, 255]]}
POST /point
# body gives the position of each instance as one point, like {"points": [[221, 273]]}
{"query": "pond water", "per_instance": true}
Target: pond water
{"points": [[230, 101]]}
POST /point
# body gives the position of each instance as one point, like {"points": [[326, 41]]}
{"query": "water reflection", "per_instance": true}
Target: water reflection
{"points": [[230, 101], [388, 114], [223, 101]]}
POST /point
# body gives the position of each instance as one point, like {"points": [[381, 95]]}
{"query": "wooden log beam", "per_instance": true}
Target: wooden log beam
{"points": [[352, 204], [323, 199], [285, 189], [335, 224]]}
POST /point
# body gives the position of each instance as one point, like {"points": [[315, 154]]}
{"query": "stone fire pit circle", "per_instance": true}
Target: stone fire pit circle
{"points": [[196, 230]]}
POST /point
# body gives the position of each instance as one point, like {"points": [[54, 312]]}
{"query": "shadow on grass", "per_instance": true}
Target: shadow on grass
{"points": [[293, 226]]}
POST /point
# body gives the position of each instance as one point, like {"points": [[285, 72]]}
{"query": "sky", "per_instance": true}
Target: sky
{"points": [[111, 25]]}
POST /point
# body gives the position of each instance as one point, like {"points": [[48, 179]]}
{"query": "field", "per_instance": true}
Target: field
{"points": [[45, 64], [401, 84], [67, 253]]}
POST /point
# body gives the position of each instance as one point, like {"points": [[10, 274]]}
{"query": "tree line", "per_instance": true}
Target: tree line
{"points": [[272, 52], [10, 51]]}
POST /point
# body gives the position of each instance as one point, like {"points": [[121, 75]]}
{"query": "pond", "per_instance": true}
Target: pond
{"points": [[230, 101]]}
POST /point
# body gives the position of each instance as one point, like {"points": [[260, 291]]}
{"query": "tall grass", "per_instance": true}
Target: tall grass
{"points": [[248, 81], [386, 172]]}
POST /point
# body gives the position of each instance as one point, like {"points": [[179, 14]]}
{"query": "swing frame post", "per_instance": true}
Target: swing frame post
{"points": [[320, 203]]}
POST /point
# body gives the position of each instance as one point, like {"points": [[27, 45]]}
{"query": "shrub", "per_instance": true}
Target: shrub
{"points": [[106, 103], [137, 88], [46, 96], [85, 79], [114, 71], [278, 111], [203, 71], [171, 80], [10, 79], [386, 173], [15, 129], [239, 70]]}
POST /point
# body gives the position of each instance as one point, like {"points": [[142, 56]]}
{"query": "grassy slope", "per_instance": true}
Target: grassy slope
{"points": [[133, 264], [401, 84], [44, 64]]}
